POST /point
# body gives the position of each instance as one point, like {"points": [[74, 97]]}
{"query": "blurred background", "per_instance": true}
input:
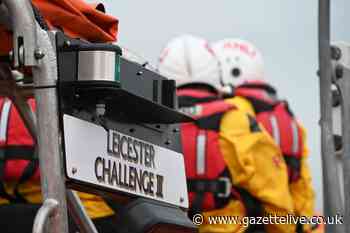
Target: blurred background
{"points": [[285, 31]]}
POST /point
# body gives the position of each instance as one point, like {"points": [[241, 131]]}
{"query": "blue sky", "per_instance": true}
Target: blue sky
{"points": [[285, 31]]}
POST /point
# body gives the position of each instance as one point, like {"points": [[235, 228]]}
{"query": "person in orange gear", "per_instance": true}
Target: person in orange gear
{"points": [[233, 167], [19, 176], [242, 67], [20, 190]]}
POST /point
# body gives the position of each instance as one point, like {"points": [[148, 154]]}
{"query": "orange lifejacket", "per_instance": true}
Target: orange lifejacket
{"points": [[75, 18], [208, 178]]}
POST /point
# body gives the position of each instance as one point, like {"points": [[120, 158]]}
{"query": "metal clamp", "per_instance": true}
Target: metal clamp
{"points": [[24, 34], [45, 211]]}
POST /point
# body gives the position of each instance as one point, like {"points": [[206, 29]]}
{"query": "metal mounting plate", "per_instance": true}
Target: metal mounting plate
{"points": [[120, 104]]}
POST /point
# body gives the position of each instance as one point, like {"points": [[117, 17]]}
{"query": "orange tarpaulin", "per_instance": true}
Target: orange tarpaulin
{"points": [[75, 17]]}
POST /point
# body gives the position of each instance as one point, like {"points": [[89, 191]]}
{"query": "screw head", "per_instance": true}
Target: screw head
{"points": [[38, 54], [139, 72], [74, 170], [100, 109], [336, 98], [336, 53], [339, 71]]}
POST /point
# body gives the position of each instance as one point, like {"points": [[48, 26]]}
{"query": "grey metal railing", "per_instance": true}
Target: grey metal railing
{"points": [[331, 186]]}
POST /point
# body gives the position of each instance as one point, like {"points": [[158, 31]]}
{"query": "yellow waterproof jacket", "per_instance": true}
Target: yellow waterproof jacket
{"points": [[256, 164], [30, 190], [94, 205], [302, 191]]}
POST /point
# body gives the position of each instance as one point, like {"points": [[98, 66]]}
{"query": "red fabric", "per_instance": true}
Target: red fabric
{"points": [[79, 19], [17, 135], [14, 170], [257, 94], [194, 93], [213, 108], [264, 119], [214, 162], [6, 41], [75, 17], [284, 125]]}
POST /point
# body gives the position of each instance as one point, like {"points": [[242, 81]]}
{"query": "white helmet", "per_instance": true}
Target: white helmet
{"points": [[188, 59], [240, 61]]}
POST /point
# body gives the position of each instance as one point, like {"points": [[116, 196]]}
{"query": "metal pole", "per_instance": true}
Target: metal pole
{"points": [[37, 51], [79, 214], [29, 40], [50, 158], [24, 34], [344, 84], [331, 186]]}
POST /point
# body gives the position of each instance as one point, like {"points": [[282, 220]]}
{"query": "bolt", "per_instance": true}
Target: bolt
{"points": [[339, 72], [77, 96], [38, 54], [167, 142], [176, 130], [100, 109], [338, 142], [336, 53], [336, 98], [318, 73], [139, 72], [74, 170]]}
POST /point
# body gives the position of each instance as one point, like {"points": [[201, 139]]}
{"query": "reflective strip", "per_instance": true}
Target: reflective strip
{"points": [[201, 144], [275, 130], [295, 132], [4, 119]]}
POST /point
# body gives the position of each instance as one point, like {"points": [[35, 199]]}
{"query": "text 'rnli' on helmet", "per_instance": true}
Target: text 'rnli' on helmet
{"points": [[240, 61], [188, 59]]}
